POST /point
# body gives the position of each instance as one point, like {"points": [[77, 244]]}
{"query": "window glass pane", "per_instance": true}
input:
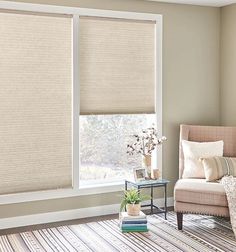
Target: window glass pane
{"points": [[103, 141]]}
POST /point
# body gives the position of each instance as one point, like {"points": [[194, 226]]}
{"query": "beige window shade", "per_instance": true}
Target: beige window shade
{"points": [[35, 102], [117, 66]]}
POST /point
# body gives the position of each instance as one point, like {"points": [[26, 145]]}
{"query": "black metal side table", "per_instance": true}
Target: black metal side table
{"points": [[151, 184]]}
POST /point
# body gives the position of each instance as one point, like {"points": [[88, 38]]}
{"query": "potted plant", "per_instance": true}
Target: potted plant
{"points": [[132, 201]]}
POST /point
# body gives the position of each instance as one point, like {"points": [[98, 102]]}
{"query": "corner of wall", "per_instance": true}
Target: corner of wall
{"points": [[227, 65]]}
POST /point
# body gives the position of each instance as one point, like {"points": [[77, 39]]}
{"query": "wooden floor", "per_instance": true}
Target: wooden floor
{"points": [[62, 223]]}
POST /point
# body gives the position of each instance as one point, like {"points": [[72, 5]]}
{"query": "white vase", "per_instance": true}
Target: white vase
{"points": [[147, 164]]}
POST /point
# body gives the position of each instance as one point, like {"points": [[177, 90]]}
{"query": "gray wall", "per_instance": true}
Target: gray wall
{"points": [[191, 50], [228, 65]]}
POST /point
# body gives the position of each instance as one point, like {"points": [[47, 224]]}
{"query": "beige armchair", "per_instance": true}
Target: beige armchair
{"points": [[196, 195]]}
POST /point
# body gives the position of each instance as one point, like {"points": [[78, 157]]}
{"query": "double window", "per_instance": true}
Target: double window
{"points": [[74, 86]]}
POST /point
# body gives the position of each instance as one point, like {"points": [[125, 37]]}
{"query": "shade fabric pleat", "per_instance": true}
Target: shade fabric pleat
{"points": [[117, 66], [35, 102]]}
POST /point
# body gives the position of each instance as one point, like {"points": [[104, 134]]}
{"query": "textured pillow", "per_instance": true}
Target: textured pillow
{"points": [[229, 184], [193, 151], [217, 167]]}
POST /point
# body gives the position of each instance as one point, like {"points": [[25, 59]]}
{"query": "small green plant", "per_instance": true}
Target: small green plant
{"points": [[132, 196]]}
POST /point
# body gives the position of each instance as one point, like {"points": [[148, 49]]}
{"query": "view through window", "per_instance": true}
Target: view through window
{"points": [[103, 141]]}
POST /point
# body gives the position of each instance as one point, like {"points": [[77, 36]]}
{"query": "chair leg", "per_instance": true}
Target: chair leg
{"points": [[180, 220]]}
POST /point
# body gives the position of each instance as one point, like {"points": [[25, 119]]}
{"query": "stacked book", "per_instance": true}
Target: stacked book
{"points": [[130, 223]]}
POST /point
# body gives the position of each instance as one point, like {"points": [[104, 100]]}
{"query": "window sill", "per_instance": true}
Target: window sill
{"points": [[61, 193], [102, 188]]}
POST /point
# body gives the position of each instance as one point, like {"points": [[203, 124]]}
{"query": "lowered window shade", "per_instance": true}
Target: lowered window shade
{"points": [[117, 66], [35, 102]]}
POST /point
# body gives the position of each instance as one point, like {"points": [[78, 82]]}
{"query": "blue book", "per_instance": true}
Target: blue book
{"points": [[134, 229], [144, 221], [133, 226]]}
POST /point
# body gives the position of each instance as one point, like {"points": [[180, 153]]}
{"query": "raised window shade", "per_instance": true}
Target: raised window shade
{"points": [[117, 66], [35, 102]]}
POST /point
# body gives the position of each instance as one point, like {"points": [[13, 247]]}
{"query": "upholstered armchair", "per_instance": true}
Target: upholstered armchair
{"points": [[196, 195]]}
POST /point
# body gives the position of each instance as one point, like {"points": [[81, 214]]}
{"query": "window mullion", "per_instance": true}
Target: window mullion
{"points": [[158, 84]]}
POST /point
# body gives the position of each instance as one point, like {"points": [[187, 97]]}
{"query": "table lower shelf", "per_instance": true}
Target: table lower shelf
{"points": [[154, 208]]}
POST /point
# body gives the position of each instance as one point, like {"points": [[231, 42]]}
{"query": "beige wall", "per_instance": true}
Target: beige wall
{"points": [[228, 65], [191, 43]]}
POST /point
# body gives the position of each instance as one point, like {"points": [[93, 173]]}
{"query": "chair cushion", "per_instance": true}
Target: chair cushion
{"points": [[184, 207], [198, 191]]}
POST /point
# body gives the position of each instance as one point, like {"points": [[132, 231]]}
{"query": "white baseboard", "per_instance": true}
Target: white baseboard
{"points": [[49, 217]]}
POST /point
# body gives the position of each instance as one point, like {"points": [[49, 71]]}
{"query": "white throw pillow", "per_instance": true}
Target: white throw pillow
{"points": [[193, 151]]}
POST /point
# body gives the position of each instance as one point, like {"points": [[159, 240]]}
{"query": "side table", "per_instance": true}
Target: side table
{"points": [[151, 184]]}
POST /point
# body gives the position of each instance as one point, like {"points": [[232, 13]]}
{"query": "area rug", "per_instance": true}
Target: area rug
{"points": [[200, 233]]}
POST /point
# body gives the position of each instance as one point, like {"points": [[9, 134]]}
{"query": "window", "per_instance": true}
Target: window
{"points": [[117, 94], [35, 102], [103, 140], [63, 68]]}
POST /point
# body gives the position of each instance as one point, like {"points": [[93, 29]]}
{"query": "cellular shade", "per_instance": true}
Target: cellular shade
{"points": [[117, 66], [35, 102]]}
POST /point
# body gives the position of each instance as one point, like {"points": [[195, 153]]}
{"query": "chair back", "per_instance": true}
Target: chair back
{"points": [[207, 134]]}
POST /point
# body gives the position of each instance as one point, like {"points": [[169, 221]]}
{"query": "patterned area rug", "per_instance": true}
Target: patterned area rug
{"points": [[201, 233]]}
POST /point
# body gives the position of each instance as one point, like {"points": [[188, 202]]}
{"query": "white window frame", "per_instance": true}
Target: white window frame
{"points": [[76, 12]]}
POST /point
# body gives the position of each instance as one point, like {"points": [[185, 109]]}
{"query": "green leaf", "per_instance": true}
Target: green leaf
{"points": [[132, 196]]}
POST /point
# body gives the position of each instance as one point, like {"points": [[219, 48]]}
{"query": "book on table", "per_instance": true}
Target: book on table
{"points": [[130, 223], [134, 230], [125, 216], [144, 221]]}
